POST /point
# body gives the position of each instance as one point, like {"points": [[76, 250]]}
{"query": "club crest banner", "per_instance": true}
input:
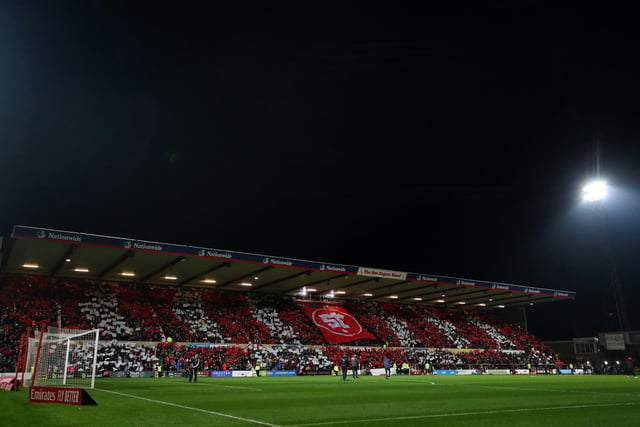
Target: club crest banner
{"points": [[336, 324]]}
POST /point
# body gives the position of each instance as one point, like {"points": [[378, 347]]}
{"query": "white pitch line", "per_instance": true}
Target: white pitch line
{"points": [[191, 408], [463, 414], [418, 382]]}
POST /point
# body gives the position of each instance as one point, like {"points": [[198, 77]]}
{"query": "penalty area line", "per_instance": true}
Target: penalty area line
{"points": [[191, 408], [463, 414]]}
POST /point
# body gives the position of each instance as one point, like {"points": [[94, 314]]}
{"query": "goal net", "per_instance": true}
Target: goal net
{"points": [[63, 357]]}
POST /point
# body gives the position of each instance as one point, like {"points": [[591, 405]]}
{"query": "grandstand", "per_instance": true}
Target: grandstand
{"points": [[158, 304]]}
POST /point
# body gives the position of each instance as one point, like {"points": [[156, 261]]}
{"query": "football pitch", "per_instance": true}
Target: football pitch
{"points": [[327, 401]]}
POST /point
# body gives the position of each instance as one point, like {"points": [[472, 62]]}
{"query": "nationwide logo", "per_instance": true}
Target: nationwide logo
{"points": [[325, 267], [42, 234], [152, 247], [561, 294], [502, 287], [203, 252], [427, 278], [532, 291], [138, 245], [275, 261], [336, 322], [465, 282]]}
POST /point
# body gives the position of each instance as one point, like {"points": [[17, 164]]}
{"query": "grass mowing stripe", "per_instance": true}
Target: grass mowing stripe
{"points": [[463, 414], [200, 384], [191, 408], [546, 390]]}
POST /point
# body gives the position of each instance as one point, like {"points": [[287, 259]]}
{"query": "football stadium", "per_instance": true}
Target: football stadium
{"points": [[101, 330]]}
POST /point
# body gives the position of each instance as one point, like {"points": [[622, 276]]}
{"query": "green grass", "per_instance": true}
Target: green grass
{"points": [[326, 401]]}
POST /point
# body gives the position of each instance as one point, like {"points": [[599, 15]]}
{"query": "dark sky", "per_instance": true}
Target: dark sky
{"points": [[448, 141]]}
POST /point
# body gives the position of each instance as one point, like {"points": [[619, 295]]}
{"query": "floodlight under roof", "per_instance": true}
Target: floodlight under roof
{"points": [[594, 191]]}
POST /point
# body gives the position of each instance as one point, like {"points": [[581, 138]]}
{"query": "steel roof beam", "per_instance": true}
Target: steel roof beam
{"points": [[122, 258], [164, 267], [205, 272]]}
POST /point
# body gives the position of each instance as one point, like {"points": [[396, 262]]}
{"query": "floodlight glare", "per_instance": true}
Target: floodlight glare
{"points": [[594, 191]]}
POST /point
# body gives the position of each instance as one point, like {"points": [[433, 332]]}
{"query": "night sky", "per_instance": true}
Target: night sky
{"points": [[449, 141]]}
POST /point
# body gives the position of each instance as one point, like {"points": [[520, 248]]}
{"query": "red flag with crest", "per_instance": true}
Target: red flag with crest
{"points": [[336, 324]]}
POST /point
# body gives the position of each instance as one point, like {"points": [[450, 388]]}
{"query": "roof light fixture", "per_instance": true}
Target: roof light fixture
{"points": [[28, 265]]}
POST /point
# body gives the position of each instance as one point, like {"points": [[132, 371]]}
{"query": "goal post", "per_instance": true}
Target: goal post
{"points": [[63, 357]]}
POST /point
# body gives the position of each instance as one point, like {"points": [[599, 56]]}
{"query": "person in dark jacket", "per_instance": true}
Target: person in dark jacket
{"points": [[629, 367], [344, 366], [193, 371], [355, 366], [387, 367]]}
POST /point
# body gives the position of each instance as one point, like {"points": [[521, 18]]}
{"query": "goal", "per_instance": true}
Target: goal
{"points": [[63, 357]]}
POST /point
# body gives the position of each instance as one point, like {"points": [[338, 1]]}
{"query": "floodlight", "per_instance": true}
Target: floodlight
{"points": [[594, 191]]}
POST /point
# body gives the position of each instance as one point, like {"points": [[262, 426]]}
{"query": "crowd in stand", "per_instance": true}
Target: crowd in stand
{"points": [[238, 330], [133, 357]]}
